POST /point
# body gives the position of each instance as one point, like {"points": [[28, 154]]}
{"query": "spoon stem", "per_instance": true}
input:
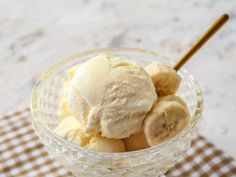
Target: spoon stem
{"points": [[210, 32]]}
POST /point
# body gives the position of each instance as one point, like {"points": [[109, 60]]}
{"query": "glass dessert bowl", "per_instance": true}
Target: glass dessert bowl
{"points": [[152, 161]]}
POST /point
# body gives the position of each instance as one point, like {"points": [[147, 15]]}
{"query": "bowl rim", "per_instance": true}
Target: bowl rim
{"points": [[116, 155]]}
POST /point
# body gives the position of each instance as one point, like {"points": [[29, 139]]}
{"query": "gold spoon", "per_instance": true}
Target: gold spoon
{"points": [[210, 32]]}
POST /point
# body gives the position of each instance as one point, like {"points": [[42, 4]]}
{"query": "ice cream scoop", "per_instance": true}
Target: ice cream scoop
{"points": [[64, 109], [166, 119], [113, 95], [71, 129], [164, 77]]}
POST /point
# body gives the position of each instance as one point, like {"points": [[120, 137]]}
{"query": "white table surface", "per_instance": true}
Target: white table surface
{"points": [[36, 34]]}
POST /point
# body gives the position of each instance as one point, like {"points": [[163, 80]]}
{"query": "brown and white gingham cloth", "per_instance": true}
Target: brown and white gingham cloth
{"points": [[22, 154]]}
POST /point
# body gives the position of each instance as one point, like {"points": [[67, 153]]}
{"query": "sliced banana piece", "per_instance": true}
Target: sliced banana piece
{"points": [[164, 77], [104, 144], [166, 119], [136, 142], [173, 98]]}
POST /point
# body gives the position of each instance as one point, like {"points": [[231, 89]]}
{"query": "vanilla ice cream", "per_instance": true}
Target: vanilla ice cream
{"points": [[111, 95], [71, 129], [64, 110], [110, 104]]}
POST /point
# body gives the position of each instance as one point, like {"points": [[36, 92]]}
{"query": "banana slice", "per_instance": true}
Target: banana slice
{"points": [[136, 142], [104, 144], [164, 77], [166, 119], [173, 98]]}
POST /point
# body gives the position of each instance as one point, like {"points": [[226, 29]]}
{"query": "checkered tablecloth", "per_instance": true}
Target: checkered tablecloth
{"points": [[22, 154]]}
